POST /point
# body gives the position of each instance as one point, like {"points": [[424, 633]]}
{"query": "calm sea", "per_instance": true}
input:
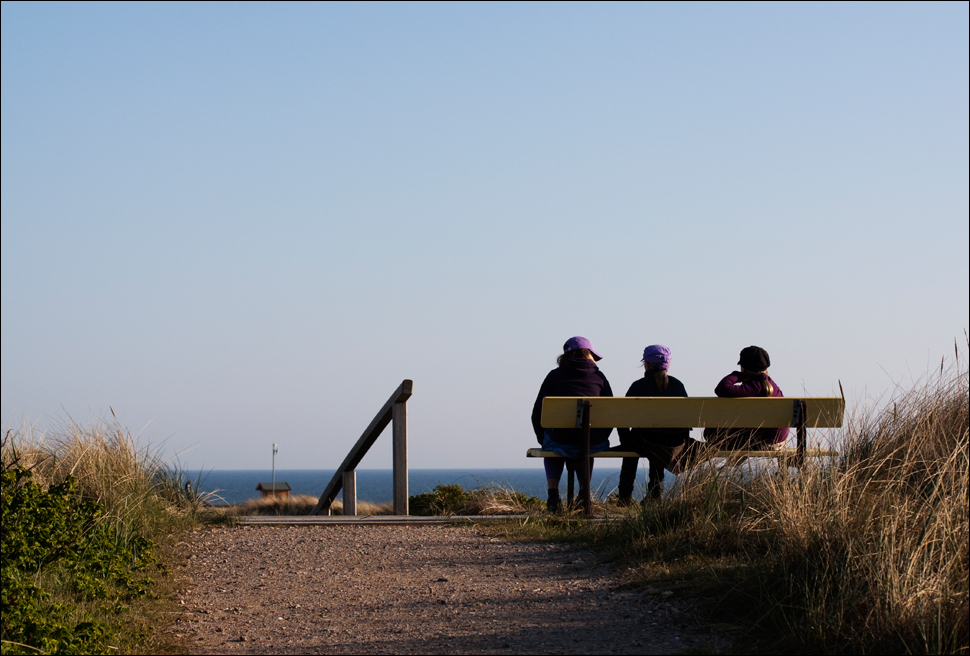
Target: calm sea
{"points": [[376, 485]]}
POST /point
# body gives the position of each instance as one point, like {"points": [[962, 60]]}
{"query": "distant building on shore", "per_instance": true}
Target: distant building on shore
{"points": [[281, 490]]}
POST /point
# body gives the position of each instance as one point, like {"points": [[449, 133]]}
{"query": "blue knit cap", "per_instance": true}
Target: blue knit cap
{"points": [[657, 354]]}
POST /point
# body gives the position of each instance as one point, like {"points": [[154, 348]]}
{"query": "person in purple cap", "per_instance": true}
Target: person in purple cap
{"points": [[751, 380], [576, 375], [660, 446]]}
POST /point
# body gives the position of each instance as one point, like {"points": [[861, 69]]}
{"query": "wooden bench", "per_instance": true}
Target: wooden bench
{"points": [[697, 412]]}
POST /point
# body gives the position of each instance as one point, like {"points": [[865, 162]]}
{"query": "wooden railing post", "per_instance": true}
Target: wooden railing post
{"points": [[400, 429], [350, 493]]}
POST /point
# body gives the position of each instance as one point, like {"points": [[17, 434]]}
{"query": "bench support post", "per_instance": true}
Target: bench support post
{"points": [[801, 431], [570, 484], [582, 412]]}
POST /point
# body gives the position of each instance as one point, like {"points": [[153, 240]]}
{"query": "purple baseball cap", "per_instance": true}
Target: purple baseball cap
{"points": [[574, 343], [657, 354]]}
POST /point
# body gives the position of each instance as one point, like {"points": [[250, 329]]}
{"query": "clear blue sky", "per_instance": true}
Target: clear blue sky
{"points": [[245, 224]]}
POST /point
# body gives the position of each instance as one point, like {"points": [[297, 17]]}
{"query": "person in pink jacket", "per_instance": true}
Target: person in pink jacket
{"points": [[751, 380]]}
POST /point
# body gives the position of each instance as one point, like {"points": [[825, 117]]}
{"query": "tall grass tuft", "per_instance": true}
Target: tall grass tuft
{"points": [[300, 504], [141, 492], [874, 548]]}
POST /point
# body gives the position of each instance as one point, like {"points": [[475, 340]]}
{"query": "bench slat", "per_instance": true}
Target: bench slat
{"points": [[539, 453], [696, 412]]}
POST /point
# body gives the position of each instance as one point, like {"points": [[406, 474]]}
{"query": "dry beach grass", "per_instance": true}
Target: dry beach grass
{"points": [[443, 500], [301, 504]]}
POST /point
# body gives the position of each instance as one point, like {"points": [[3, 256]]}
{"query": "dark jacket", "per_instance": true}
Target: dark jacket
{"points": [[647, 386], [572, 378], [737, 385]]}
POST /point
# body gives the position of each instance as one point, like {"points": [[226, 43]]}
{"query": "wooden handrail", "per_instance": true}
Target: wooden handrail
{"points": [[394, 409]]}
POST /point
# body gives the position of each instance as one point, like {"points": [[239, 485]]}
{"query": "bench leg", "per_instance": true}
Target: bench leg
{"points": [[801, 432], [584, 463]]}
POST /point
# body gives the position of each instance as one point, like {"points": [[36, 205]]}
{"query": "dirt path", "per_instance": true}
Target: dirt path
{"points": [[412, 589]]}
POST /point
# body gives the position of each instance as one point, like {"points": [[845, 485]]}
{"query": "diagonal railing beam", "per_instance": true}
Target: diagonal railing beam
{"points": [[367, 439]]}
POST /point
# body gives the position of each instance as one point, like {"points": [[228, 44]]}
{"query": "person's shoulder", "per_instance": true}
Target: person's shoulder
{"points": [[731, 379], [726, 387], [599, 374], [776, 390], [554, 371], [676, 385], [638, 387], [552, 376]]}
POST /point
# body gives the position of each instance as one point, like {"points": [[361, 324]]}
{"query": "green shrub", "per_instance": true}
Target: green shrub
{"points": [[444, 500], [57, 547], [455, 500]]}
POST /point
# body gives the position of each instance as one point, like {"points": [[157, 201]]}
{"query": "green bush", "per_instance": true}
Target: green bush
{"points": [[444, 500], [58, 556], [455, 500]]}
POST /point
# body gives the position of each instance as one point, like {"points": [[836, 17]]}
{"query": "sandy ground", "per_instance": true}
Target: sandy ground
{"points": [[413, 589]]}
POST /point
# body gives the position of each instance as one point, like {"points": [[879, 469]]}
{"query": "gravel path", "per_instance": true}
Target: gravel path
{"points": [[412, 589]]}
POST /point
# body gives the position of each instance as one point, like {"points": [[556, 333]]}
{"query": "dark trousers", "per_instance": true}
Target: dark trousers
{"points": [[628, 477], [554, 467], [660, 457]]}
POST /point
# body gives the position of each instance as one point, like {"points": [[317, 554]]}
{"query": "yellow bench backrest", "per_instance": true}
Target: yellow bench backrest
{"points": [[696, 412]]}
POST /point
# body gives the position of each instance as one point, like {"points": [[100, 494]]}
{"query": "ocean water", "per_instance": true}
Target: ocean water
{"points": [[376, 485]]}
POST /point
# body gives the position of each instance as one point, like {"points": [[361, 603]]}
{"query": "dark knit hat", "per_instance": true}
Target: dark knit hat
{"points": [[754, 358]]}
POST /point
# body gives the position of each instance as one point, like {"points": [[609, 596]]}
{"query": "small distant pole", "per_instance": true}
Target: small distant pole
{"points": [[275, 451]]}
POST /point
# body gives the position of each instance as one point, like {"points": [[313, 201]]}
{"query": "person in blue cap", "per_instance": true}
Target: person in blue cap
{"points": [[576, 375], [659, 445]]}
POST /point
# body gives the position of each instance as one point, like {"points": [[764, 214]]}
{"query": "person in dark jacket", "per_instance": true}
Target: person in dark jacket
{"points": [[576, 375], [751, 380], [659, 445]]}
